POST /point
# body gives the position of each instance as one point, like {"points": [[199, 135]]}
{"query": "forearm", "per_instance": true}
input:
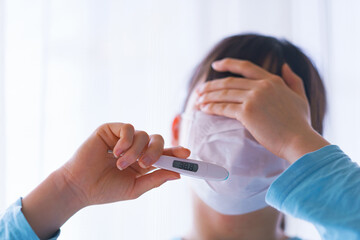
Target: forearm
{"points": [[319, 188], [50, 205]]}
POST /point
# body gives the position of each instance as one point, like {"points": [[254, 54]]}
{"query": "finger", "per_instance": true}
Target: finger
{"points": [[229, 110], [140, 142], [179, 152], [226, 83], [139, 170], [109, 133], [222, 96], [153, 151], [241, 67], [152, 180], [293, 81], [126, 137]]}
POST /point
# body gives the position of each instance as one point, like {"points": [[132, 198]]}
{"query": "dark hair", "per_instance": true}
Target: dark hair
{"points": [[260, 49]]}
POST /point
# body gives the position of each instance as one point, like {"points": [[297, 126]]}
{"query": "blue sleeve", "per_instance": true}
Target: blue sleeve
{"points": [[13, 224], [322, 187]]}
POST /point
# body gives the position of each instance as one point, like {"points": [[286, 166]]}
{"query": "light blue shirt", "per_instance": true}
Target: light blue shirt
{"points": [[13, 224], [323, 188]]}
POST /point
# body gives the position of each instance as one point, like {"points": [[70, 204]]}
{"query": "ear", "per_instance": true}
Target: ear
{"points": [[175, 129]]}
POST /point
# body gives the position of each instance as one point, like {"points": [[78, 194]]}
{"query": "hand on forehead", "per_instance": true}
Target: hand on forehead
{"points": [[228, 66]]}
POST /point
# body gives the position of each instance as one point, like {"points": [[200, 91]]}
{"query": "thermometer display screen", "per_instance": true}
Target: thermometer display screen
{"points": [[193, 167]]}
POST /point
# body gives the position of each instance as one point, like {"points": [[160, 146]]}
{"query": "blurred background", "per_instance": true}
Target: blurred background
{"points": [[66, 66]]}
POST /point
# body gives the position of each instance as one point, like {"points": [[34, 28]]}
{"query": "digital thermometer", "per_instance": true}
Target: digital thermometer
{"points": [[192, 168]]}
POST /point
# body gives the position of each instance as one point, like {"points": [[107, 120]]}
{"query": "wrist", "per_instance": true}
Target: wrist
{"points": [[305, 142], [72, 194], [50, 205]]}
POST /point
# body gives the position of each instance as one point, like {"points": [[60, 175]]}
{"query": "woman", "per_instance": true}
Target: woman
{"points": [[236, 209]]}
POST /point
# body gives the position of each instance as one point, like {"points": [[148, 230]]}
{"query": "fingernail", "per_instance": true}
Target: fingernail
{"points": [[172, 178], [145, 162], [200, 99], [215, 64], [200, 89], [202, 106], [122, 165], [118, 153], [197, 101]]}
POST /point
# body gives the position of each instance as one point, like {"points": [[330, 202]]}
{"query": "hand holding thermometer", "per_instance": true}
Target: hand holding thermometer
{"points": [[192, 168]]}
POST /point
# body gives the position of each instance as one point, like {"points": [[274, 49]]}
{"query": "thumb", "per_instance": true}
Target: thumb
{"points": [[294, 82], [153, 180]]}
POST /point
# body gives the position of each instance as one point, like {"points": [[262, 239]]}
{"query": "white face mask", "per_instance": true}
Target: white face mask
{"points": [[226, 142]]}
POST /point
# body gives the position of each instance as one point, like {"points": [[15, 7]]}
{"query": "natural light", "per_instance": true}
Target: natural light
{"points": [[68, 66]]}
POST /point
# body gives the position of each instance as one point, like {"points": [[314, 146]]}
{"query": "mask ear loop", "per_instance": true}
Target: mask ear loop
{"points": [[186, 124], [197, 129], [191, 133]]}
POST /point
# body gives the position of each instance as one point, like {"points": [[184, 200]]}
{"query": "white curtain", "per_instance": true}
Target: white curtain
{"points": [[2, 109], [66, 66]]}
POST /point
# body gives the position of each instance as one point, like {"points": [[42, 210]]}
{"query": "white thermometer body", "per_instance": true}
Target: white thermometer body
{"points": [[193, 168]]}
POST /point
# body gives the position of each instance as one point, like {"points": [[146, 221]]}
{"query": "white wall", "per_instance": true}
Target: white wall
{"points": [[343, 76]]}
